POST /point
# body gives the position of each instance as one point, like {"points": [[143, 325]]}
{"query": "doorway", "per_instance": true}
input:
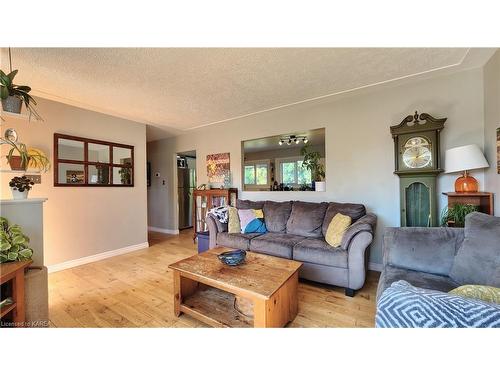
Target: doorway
{"points": [[186, 184]]}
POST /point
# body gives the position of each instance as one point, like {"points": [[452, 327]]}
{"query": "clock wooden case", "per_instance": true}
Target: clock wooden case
{"points": [[417, 163]]}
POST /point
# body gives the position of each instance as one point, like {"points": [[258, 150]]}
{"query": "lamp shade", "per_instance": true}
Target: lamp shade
{"points": [[464, 158]]}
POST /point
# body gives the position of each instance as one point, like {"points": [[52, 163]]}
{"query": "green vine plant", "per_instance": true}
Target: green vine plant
{"points": [[456, 214], [312, 162], [32, 157], [8, 88], [14, 244]]}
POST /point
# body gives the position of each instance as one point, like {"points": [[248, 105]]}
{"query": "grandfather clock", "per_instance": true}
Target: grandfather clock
{"points": [[417, 163]]}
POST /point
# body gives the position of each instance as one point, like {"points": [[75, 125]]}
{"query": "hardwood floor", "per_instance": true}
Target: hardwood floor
{"points": [[135, 290]]}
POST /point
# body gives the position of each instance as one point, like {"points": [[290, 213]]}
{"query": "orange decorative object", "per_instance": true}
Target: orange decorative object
{"points": [[466, 184]]}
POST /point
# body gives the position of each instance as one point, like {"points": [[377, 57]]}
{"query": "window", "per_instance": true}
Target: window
{"points": [[89, 162], [293, 173], [257, 173]]}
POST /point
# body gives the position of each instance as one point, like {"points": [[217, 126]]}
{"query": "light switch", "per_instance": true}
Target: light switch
{"points": [[36, 178]]}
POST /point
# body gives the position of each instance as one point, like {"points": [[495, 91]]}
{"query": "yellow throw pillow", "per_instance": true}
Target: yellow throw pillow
{"points": [[484, 293], [336, 229], [233, 225]]}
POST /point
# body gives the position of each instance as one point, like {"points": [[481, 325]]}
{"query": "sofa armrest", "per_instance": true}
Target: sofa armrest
{"points": [[214, 227], [357, 259], [430, 250], [364, 224]]}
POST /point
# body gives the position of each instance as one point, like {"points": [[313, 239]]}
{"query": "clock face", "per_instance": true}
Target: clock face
{"points": [[417, 153]]}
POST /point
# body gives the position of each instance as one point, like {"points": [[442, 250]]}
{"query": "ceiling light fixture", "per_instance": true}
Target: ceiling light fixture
{"points": [[289, 139]]}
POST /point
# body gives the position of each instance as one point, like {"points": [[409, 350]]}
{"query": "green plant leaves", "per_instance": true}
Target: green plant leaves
{"points": [[11, 75], [18, 240], [14, 243], [12, 256], [4, 245]]}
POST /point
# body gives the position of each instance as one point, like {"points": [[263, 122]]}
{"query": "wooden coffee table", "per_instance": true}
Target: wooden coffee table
{"points": [[205, 289]]}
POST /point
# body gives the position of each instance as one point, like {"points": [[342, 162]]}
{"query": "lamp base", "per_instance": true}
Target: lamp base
{"points": [[466, 184]]}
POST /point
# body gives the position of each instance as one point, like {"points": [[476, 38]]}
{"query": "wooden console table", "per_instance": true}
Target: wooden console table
{"points": [[14, 272], [481, 199]]}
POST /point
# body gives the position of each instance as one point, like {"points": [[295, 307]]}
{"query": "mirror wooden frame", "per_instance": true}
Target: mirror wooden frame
{"points": [[86, 163]]}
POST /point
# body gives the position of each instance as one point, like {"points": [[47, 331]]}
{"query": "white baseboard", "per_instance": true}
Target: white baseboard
{"points": [[375, 267], [163, 230], [96, 257]]}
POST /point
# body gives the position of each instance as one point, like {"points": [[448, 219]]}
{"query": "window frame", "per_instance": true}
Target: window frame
{"points": [[86, 163], [295, 159], [254, 163]]}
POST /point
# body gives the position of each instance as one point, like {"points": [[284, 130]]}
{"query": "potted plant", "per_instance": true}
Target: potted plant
{"points": [[312, 161], [125, 175], [20, 186], [455, 216], [31, 157], [13, 96], [14, 244]]}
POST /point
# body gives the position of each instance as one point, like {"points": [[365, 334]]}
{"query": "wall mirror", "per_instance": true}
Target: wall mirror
{"points": [[89, 162], [276, 163]]}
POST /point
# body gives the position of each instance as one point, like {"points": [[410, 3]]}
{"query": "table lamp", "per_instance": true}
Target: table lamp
{"points": [[463, 159]]}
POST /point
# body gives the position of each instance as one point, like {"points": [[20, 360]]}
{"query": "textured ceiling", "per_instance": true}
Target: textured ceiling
{"points": [[181, 88]]}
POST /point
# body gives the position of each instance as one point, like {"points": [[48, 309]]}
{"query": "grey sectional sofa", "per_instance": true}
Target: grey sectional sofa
{"points": [[443, 258], [296, 231]]}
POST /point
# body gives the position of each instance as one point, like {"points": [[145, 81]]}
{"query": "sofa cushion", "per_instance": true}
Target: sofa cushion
{"points": [[252, 221], [336, 229], [317, 251], [415, 278], [422, 249], [236, 240], [485, 293], [478, 259], [306, 219], [242, 204], [276, 215], [277, 244], [233, 225], [353, 210]]}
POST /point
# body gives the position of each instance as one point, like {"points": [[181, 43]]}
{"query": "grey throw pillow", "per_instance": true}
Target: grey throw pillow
{"points": [[478, 259], [276, 215], [306, 219]]}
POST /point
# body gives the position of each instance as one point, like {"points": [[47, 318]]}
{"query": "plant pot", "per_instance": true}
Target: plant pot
{"points": [[12, 104], [320, 185], [16, 163], [16, 194]]}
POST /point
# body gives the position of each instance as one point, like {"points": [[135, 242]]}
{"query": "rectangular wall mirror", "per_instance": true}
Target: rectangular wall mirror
{"points": [[89, 162], [276, 163]]}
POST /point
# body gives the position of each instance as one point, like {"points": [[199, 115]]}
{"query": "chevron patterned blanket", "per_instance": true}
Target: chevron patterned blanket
{"points": [[405, 306]]}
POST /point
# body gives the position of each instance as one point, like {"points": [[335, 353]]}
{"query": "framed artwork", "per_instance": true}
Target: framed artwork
{"points": [[75, 177], [498, 150], [218, 166]]}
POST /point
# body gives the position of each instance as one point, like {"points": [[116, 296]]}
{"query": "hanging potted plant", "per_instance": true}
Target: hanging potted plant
{"points": [[20, 187], [26, 157], [13, 96], [312, 162]]}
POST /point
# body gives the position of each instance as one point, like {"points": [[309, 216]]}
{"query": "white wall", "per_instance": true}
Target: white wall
{"points": [[359, 147], [83, 221], [491, 123]]}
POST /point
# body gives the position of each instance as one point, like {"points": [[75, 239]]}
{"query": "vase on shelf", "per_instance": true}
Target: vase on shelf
{"points": [[19, 195]]}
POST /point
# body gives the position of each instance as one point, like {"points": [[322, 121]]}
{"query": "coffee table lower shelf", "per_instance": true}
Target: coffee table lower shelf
{"points": [[215, 307]]}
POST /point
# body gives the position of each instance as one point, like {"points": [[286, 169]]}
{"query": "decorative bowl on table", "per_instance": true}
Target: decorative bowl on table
{"points": [[233, 257]]}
